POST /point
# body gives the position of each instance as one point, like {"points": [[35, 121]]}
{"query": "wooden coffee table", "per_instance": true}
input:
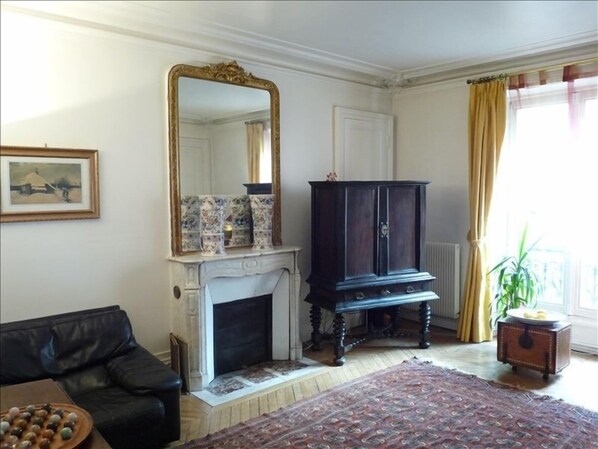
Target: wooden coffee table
{"points": [[40, 392]]}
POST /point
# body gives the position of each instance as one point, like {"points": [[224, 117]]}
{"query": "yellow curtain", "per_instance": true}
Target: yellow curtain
{"points": [[487, 121], [255, 148]]}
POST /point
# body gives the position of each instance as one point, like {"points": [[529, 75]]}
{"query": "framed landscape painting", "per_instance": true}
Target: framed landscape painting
{"points": [[48, 184]]}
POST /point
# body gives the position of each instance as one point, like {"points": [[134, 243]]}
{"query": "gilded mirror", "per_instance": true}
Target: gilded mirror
{"points": [[211, 109]]}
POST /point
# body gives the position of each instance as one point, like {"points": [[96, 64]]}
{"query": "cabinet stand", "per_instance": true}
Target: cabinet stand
{"points": [[341, 347]]}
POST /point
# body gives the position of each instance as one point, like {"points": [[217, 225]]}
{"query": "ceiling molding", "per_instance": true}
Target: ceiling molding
{"points": [[141, 21], [515, 65], [146, 20], [574, 41], [196, 119]]}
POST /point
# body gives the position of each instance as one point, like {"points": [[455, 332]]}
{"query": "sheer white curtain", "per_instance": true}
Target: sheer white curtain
{"points": [[255, 148], [259, 151], [548, 179]]}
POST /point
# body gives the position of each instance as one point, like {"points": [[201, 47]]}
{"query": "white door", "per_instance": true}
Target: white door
{"points": [[195, 166], [363, 145]]}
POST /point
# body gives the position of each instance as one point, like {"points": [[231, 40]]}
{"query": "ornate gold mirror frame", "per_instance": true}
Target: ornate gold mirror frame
{"points": [[229, 73]]}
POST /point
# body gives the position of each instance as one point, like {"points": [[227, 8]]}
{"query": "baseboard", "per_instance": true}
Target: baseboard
{"points": [[439, 321], [452, 324], [163, 356], [584, 348]]}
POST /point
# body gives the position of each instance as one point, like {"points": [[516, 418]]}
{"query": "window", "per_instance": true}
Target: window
{"points": [[548, 180], [266, 156]]}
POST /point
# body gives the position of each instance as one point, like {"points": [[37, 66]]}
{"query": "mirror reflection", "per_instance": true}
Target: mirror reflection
{"points": [[225, 137], [224, 140]]}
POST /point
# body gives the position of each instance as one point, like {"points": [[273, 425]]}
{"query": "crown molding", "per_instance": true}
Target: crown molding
{"points": [[142, 20], [195, 119], [534, 58], [533, 50], [149, 20]]}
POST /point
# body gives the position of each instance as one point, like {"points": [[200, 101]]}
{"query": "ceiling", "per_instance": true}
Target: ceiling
{"points": [[358, 40], [209, 102]]}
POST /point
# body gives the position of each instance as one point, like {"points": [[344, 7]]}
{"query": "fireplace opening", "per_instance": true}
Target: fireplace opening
{"points": [[242, 333]]}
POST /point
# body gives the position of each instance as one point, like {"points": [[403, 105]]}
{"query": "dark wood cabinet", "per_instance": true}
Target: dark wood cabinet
{"points": [[367, 251], [263, 188]]}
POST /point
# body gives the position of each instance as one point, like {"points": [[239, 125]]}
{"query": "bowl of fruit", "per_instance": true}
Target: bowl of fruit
{"points": [[541, 317]]}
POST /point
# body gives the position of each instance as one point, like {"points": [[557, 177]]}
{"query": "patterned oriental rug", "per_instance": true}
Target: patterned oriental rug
{"points": [[416, 405]]}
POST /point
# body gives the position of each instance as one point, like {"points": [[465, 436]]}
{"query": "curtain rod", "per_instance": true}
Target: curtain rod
{"points": [[503, 76], [487, 79]]}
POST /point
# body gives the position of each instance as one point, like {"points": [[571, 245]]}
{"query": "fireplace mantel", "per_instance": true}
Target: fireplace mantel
{"points": [[197, 280]]}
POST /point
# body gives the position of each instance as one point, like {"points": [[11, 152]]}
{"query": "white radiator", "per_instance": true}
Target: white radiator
{"points": [[442, 261]]}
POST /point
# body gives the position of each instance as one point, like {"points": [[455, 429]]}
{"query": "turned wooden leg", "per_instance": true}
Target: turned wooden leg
{"points": [[424, 316], [316, 321], [339, 339]]}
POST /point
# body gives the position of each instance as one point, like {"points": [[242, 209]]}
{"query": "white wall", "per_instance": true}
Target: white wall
{"points": [[431, 140], [229, 152], [71, 87], [227, 144]]}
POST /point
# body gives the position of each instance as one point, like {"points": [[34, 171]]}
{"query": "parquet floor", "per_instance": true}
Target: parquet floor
{"points": [[576, 384]]}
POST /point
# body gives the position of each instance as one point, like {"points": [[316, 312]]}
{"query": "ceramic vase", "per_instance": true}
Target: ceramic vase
{"points": [[240, 211], [211, 215], [261, 215], [190, 230]]}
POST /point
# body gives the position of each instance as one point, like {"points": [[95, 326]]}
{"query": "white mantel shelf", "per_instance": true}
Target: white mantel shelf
{"points": [[233, 253], [201, 281]]}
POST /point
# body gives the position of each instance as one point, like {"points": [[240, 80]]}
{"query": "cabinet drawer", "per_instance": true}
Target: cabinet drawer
{"points": [[386, 290], [372, 297]]}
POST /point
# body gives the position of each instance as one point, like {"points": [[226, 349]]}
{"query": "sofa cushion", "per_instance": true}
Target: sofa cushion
{"points": [[53, 346], [91, 340], [85, 380], [25, 354]]}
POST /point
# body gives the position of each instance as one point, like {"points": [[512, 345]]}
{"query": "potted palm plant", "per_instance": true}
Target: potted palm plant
{"points": [[516, 283]]}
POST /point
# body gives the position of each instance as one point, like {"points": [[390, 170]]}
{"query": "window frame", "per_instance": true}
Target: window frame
{"points": [[555, 93]]}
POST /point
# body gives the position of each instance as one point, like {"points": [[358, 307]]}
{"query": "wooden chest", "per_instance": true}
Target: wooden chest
{"points": [[542, 348]]}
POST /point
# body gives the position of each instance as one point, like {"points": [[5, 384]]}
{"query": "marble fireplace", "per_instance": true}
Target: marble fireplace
{"points": [[198, 283]]}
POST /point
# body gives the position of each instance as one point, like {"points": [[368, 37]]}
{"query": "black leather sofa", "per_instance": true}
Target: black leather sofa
{"points": [[133, 398]]}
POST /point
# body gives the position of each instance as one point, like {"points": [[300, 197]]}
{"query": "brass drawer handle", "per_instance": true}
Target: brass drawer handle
{"points": [[359, 295], [409, 289]]}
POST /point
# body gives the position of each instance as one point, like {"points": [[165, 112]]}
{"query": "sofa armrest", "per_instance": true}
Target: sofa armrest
{"points": [[140, 372]]}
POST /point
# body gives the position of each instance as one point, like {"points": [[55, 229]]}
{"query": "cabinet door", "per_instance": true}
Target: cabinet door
{"points": [[361, 232], [344, 237], [325, 225], [402, 211]]}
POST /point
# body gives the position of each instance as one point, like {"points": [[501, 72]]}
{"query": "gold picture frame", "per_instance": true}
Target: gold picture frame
{"points": [[39, 184]]}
